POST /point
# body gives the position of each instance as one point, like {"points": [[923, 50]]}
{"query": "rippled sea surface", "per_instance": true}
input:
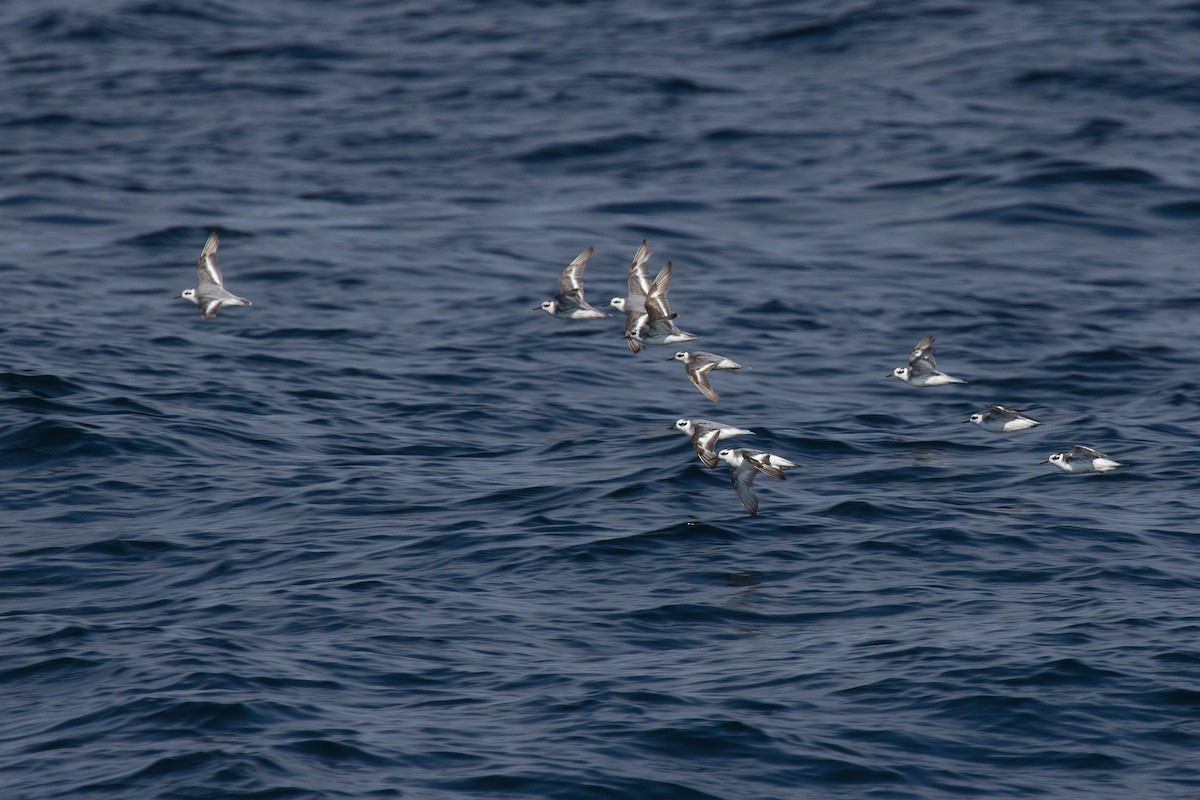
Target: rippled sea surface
{"points": [[392, 532]]}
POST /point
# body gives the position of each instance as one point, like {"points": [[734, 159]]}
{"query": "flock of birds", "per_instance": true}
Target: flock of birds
{"points": [[649, 320]]}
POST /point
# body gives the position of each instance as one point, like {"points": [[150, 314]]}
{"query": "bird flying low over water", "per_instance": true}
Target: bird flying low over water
{"points": [[745, 465], [999, 419], [922, 367], [699, 364], [705, 433], [658, 326], [634, 302], [569, 302], [210, 294], [1082, 459]]}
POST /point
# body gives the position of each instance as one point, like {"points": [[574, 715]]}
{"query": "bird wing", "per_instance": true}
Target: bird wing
{"points": [[702, 442], [635, 321], [639, 276], [572, 276], [742, 478], [656, 298], [921, 359], [207, 268], [208, 308], [1079, 451], [699, 376], [571, 299]]}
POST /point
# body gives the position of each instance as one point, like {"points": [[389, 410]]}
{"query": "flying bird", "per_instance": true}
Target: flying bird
{"points": [[922, 367], [745, 465], [699, 364], [999, 419], [210, 295], [704, 433], [634, 302], [569, 302], [1082, 459]]}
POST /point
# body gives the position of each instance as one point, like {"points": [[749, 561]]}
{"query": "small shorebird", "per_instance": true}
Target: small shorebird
{"points": [[999, 419], [1082, 459], [210, 295], [922, 367], [569, 302], [699, 364], [705, 433], [746, 464]]}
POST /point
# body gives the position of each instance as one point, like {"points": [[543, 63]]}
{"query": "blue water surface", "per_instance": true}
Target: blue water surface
{"points": [[393, 533]]}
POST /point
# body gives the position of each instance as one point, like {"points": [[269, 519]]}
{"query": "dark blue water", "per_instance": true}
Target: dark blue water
{"points": [[391, 532]]}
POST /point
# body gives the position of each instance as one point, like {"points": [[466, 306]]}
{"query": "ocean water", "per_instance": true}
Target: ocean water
{"points": [[393, 533]]}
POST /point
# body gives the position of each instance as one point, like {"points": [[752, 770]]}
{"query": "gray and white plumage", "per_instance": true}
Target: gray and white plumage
{"points": [[569, 303], [634, 302], [659, 326], [922, 367], [745, 465], [1082, 459], [998, 419], [210, 295], [705, 433], [699, 364]]}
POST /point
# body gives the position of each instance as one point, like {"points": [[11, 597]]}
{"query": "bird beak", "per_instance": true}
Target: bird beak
{"points": [[1047, 461], [965, 421]]}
